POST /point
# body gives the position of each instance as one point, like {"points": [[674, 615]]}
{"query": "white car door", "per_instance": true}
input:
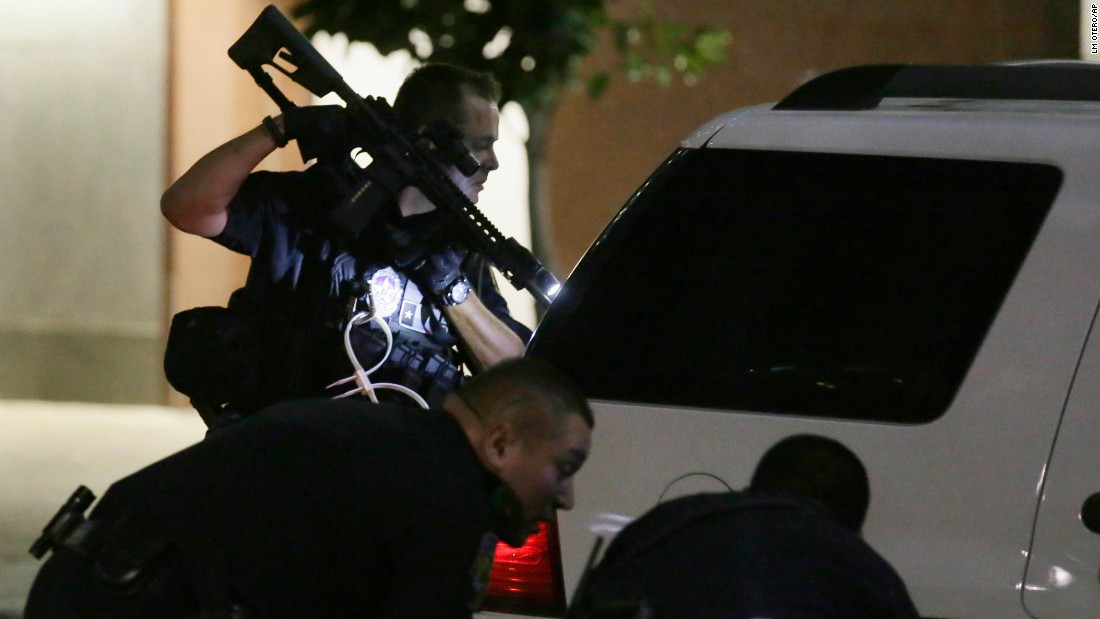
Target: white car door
{"points": [[1063, 573]]}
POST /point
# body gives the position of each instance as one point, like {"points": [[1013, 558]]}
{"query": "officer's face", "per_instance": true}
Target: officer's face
{"points": [[540, 469], [480, 131], [479, 134]]}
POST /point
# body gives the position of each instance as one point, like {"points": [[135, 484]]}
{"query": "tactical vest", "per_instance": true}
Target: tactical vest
{"points": [[273, 344]]}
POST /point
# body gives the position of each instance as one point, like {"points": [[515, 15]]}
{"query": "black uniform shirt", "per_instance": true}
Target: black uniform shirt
{"points": [[298, 282], [313, 509], [744, 555]]}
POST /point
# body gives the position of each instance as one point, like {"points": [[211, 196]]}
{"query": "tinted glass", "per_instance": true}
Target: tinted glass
{"points": [[798, 283]]}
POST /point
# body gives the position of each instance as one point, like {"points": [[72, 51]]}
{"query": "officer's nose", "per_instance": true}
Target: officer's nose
{"points": [[489, 161]]}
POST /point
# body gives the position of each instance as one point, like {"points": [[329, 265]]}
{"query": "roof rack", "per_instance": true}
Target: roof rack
{"points": [[864, 87]]}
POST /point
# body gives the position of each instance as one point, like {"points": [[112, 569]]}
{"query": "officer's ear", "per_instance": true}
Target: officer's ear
{"points": [[500, 445]]}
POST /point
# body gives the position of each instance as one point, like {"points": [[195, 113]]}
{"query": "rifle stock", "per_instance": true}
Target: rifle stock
{"points": [[399, 155]]}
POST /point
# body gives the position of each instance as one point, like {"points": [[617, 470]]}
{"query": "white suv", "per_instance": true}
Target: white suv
{"points": [[905, 258]]}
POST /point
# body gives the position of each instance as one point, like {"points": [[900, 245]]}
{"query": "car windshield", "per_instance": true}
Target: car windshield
{"points": [[845, 286]]}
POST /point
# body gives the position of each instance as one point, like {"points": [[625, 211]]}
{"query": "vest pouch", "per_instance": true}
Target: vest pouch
{"points": [[213, 355]]}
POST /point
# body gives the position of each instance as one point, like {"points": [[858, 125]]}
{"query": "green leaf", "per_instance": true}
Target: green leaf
{"points": [[555, 33], [620, 33], [663, 75], [597, 84], [711, 45]]}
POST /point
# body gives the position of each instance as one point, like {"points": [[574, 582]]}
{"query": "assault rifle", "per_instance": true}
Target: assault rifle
{"points": [[400, 157]]}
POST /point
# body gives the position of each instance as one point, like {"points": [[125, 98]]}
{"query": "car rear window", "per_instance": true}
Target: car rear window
{"points": [[843, 286]]}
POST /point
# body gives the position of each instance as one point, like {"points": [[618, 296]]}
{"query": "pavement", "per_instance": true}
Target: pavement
{"points": [[47, 449]]}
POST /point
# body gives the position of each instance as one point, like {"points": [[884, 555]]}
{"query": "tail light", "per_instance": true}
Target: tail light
{"points": [[528, 580]]}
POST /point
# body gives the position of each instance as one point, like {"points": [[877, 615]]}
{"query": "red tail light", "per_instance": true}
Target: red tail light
{"points": [[528, 580]]}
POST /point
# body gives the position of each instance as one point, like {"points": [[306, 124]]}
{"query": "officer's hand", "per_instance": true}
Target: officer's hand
{"points": [[319, 122], [323, 132], [438, 271], [419, 247]]}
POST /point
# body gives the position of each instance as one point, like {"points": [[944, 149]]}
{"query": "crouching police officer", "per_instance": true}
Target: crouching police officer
{"points": [[788, 547], [327, 509]]}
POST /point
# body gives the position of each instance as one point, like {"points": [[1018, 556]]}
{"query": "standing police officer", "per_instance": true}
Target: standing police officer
{"points": [[283, 334]]}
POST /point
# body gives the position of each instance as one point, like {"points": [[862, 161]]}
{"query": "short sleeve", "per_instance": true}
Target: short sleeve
{"points": [[256, 211], [271, 205]]}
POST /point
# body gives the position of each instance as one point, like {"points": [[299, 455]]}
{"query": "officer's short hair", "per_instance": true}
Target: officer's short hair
{"points": [[820, 469], [521, 389], [435, 92]]}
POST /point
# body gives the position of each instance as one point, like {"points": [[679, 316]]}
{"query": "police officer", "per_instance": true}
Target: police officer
{"points": [[788, 547], [283, 336], [330, 509]]}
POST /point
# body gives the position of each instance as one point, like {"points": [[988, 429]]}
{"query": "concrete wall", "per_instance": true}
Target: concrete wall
{"points": [[82, 152]]}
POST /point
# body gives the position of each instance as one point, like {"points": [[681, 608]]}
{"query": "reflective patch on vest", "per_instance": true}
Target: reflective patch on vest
{"points": [[417, 315], [410, 316], [385, 288]]}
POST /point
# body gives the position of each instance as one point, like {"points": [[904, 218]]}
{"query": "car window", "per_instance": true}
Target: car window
{"points": [[845, 286]]}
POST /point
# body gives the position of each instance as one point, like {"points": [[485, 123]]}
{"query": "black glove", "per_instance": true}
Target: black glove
{"points": [[323, 132], [437, 272], [315, 121], [418, 247]]}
